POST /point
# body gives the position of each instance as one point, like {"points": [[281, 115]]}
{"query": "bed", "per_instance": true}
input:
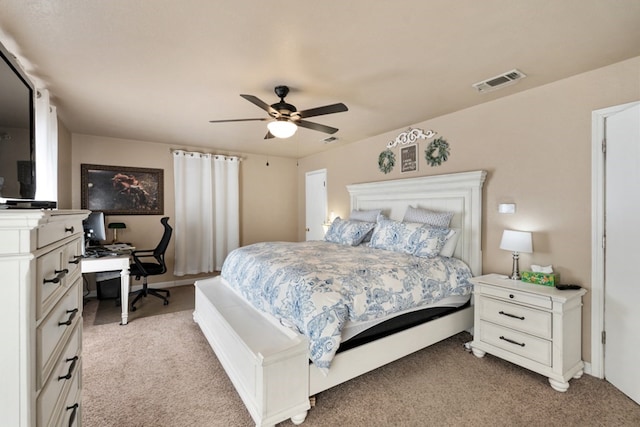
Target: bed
{"points": [[269, 363]]}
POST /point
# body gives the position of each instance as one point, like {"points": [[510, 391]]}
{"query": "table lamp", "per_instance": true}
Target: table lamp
{"points": [[115, 226], [516, 242]]}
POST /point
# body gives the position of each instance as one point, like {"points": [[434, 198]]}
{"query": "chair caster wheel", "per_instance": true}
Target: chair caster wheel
{"points": [[165, 302], [133, 309]]}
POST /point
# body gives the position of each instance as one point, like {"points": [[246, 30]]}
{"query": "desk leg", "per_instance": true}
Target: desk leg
{"points": [[124, 293]]}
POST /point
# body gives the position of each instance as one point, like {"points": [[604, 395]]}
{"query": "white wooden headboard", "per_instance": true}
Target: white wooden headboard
{"points": [[460, 193]]}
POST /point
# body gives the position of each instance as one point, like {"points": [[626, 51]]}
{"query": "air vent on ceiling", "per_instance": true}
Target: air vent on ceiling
{"points": [[329, 139], [497, 82]]}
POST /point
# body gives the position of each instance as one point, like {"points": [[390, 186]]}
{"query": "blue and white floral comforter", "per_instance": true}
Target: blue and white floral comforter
{"points": [[316, 286]]}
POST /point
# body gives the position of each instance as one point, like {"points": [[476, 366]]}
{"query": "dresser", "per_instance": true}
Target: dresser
{"points": [[41, 317], [534, 326]]}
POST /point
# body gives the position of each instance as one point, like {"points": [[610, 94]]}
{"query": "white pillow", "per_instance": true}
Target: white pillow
{"points": [[366, 216], [450, 245], [426, 216]]}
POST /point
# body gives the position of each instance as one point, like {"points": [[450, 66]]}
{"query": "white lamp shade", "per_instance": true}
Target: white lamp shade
{"points": [[516, 241], [282, 128]]}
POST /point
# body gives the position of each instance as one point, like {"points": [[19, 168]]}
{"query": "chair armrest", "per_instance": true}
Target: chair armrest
{"points": [[143, 253]]}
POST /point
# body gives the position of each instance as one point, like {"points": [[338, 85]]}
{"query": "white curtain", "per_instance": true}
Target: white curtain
{"points": [[207, 225], [46, 148]]}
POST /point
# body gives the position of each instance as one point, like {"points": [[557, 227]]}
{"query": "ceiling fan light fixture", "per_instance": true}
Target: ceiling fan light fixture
{"points": [[282, 128]]}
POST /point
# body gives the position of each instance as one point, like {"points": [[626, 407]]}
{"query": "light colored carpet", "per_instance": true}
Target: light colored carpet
{"points": [[160, 371], [182, 298]]}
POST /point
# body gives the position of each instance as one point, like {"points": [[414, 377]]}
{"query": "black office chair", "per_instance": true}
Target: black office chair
{"points": [[150, 268]]}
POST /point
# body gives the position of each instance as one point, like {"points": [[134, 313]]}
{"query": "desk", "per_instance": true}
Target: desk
{"points": [[110, 263]]}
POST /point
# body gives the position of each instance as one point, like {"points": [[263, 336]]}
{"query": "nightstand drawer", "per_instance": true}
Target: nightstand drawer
{"points": [[517, 296], [525, 345], [529, 320]]}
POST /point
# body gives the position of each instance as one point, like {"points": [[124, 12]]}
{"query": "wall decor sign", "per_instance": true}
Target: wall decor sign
{"points": [[411, 136], [437, 152], [120, 190], [409, 158]]}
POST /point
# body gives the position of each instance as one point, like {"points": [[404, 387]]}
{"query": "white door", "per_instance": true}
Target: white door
{"points": [[316, 204], [622, 252]]}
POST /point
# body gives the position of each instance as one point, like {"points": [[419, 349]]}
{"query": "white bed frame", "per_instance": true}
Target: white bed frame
{"points": [[269, 364]]}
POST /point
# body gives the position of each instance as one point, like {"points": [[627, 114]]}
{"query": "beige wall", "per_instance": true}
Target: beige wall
{"points": [[268, 194], [64, 167], [536, 147]]}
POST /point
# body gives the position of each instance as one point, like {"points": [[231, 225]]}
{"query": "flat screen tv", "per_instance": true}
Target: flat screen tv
{"points": [[17, 131]]}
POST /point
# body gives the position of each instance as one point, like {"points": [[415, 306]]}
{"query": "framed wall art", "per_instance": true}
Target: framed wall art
{"points": [[120, 190], [409, 158]]}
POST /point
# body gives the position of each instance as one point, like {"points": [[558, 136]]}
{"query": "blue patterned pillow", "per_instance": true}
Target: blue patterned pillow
{"points": [[421, 240], [348, 232], [425, 216]]}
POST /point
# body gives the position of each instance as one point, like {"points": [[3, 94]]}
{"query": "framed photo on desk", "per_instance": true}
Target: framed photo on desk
{"points": [[120, 190]]}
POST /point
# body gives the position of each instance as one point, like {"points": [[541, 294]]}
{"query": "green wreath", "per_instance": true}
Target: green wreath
{"points": [[437, 152], [386, 161]]}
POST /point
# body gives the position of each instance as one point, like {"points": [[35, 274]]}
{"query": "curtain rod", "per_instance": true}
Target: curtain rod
{"points": [[173, 150]]}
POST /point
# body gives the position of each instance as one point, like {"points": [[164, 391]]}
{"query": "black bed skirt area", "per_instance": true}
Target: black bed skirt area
{"points": [[397, 324]]}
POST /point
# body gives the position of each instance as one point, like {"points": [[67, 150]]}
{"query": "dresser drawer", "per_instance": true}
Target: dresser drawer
{"points": [[525, 345], [71, 411], [49, 280], [57, 229], [64, 375], [71, 258], [54, 329], [525, 319], [517, 296]]}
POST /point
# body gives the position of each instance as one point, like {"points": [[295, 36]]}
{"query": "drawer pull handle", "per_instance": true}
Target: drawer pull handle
{"points": [[73, 361], [511, 315], [72, 418], [521, 344], [76, 259], [69, 229], [59, 276], [71, 317]]}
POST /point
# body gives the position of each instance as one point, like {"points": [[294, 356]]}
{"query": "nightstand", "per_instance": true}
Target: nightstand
{"points": [[534, 326]]}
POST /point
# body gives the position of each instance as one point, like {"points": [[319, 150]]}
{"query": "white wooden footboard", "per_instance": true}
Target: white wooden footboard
{"points": [[267, 363]]}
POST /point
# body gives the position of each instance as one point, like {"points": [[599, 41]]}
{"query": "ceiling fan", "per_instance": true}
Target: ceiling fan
{"points": [[284, 118]]}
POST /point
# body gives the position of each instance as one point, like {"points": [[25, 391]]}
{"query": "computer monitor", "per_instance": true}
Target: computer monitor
{"points": [[94, 230]]}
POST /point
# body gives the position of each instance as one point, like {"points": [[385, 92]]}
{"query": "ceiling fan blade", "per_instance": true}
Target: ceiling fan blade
{"points": [[320, 111], [260, 103], [264, 119], [269, 135], [316, 126]]}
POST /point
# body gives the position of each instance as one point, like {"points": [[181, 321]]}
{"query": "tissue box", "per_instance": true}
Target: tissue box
{"points": [[546, 279]]}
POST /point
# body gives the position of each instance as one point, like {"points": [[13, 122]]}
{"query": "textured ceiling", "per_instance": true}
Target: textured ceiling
{"points": [[160, 70]]}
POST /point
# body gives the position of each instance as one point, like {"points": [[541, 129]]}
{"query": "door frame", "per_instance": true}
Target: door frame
{"points": [[322, 172], [598, 174]]}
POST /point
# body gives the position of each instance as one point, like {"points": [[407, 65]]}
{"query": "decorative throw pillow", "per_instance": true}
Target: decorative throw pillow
{"points": [[450, 245], [416, 239], [426, 216], [348, 232], [366, 216]]}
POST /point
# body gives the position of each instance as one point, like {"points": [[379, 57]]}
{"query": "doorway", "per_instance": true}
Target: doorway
{"points": [[615, 208], [315, 204]]}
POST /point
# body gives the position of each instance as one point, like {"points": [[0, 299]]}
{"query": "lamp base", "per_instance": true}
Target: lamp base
{"points": [[515, 269]]}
